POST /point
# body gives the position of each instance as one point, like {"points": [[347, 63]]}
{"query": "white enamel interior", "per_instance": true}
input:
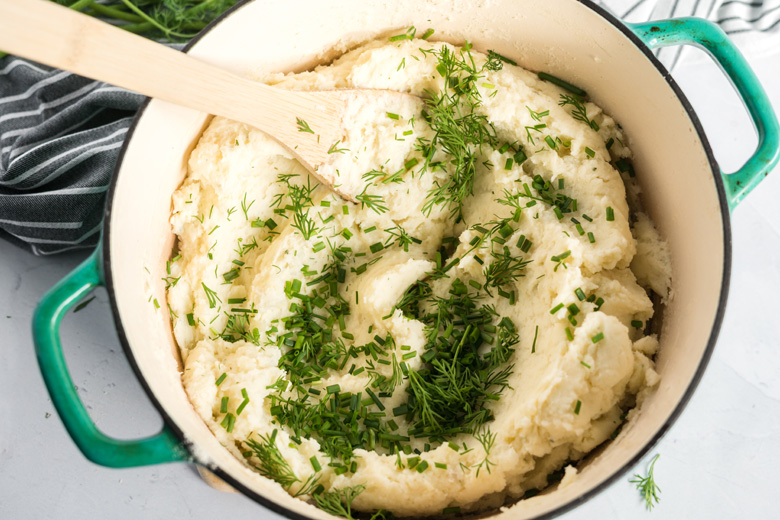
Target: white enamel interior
{"points": [[562, 37]]}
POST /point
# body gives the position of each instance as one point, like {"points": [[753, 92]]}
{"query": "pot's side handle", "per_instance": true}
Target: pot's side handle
{"points": [[95, 445], [711, 38]]}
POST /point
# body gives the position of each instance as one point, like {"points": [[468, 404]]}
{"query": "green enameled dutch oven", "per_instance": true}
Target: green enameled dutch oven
{"points": [[685, 192]]}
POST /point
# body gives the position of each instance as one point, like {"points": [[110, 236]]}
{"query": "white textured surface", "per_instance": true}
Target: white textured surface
{"points": [[719, 460]]}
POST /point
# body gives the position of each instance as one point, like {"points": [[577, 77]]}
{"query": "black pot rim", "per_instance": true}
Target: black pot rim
{"points": [[618, 473]]}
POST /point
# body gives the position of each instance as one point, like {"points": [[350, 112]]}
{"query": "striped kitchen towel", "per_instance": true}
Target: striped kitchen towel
{"points": [[754, 25], [60, 134]]}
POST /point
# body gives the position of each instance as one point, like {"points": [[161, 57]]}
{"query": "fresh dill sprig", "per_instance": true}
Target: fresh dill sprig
{"points": [[537, 116], [300, 199], [211, 296], [504, 269], [339, 501], [486, 438], [373, 202], [459, 130], [335, 149], [578, 112], [272, 464], [400, 237], [647, 486], [245, 207], [310, 487], [303, 126]]}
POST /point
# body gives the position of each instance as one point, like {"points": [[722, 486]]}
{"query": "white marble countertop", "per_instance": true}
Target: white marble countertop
{"points": [[719, 460]]}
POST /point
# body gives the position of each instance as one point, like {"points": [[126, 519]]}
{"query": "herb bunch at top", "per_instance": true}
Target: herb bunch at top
{"points": [[171, 20]]}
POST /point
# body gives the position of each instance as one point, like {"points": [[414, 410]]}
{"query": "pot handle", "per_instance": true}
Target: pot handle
{"points": [[94, 444], [711, 38]]}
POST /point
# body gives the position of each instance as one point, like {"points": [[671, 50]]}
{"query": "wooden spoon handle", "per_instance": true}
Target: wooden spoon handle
{"points": [[48, 33]]}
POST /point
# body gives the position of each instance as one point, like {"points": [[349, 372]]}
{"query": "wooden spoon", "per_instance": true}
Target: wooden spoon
{"points": [[48, 33]]}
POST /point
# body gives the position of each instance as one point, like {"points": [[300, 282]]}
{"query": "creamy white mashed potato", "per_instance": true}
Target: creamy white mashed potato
{"points": [[541, 246]]}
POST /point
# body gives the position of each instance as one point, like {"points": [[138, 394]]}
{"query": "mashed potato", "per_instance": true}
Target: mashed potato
{"points": [[468, 327]]}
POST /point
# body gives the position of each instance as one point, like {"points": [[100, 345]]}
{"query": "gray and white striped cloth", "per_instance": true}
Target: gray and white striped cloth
{"points": [[60, 134]]}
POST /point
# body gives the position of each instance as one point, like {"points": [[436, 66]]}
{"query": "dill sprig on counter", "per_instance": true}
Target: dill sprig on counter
{"points": [[170, 20], [647, 486]]}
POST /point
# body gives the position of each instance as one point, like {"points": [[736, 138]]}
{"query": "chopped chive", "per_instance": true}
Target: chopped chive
{"points": [[411, 163], [598, 337], [231, 275], [391, 115], [580, 294], [556, 308], [610, 143], [590, 152], [401, 410], [520, 157], [191, 319], [332, 389], [563, 84], [584, 364], [577, 407], [374, 398], [610, 214], [422, 466], [637, 324], [376, 247], [587, 217], [506, 230], [536, 334], [573, 309], [591, 237], [440, 465], [625, 166], [319, 246], [508, 164], [223, 405], [242, 406], [315, 463], [221, 378], [427, 34], [345, 209], [569, 334], [558, 212], [550, 142]]}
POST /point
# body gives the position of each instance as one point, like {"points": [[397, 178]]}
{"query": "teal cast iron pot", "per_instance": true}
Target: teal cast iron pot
{"points": [[571, 39]]}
